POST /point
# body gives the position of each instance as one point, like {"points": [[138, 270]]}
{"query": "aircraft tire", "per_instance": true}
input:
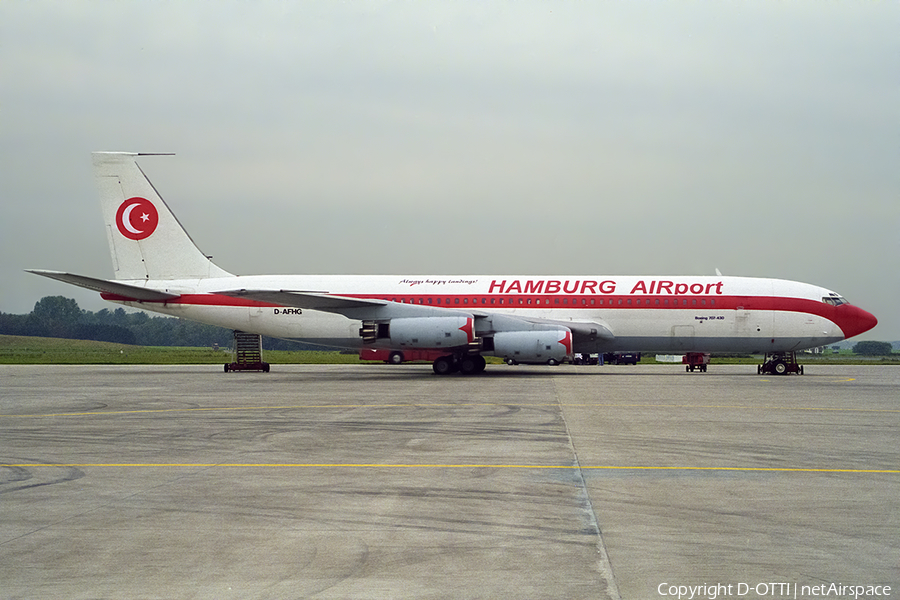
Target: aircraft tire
{"points": [[443, 365], [468, 365]]}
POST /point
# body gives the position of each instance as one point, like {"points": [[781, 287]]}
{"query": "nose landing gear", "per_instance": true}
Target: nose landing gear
{"points": [[780, 363]]}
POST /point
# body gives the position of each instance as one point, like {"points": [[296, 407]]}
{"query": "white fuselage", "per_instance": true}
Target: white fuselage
{"points": [[644, 313]]}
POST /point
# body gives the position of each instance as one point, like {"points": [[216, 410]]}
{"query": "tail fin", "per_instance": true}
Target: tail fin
{"points": [[146, 241]]}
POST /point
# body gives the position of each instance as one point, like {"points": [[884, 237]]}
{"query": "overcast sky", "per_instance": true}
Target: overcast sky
{"points": [[759, 138]]}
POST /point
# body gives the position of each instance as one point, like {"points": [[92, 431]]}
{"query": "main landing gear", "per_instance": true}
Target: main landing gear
{"points": [[467, 364], [780, 363]]}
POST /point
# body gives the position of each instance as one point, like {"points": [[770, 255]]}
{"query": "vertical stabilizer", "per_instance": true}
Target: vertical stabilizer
{"points": [[146, 241]]}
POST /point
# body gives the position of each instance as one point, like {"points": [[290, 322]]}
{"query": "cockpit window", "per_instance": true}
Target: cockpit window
{"points": [[834, 300]]}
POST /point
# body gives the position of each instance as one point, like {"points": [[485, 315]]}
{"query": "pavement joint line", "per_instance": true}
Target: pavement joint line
{"points": [[451, 404], [448, 466], [604, 565]]}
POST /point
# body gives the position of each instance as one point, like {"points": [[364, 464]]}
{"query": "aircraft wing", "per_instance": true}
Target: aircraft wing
{"points": [[111, 287], [353, 308], [582, 329], [377, 309], [301, 299]]}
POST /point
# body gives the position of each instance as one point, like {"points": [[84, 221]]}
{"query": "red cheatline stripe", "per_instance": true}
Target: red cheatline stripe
{"points": [[544, 302]]}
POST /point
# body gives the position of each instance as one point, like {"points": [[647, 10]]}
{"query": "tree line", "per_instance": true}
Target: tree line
{"points": [[61, 317]]}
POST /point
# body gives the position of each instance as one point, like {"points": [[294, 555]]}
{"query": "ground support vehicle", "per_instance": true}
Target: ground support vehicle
{"points": [[621, 358], [247, 353], [695, 360], [467, 364], [586, 359], [396, 357], [780, 363]]}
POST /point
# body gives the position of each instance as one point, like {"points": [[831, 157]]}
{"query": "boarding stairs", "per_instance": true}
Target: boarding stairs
{"points": [[247, 353]]}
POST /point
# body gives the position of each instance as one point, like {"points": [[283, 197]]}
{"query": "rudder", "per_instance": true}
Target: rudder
{"points": [[146, 241]]}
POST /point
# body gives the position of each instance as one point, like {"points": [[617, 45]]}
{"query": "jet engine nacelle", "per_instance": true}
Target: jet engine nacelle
{"points": [[539, 347], [431, 332]]}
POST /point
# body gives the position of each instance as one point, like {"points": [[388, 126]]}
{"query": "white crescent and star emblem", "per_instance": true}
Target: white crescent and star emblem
{"points": [[137, 218]]}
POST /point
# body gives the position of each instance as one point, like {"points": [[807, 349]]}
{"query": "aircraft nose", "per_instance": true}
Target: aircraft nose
{"points": [[853, 320]]}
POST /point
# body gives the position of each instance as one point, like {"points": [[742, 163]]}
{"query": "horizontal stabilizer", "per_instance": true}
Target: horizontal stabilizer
{"points": [[110, 287]]}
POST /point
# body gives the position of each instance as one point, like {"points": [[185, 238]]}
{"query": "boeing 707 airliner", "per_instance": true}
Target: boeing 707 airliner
{"points": [[522, 319]]}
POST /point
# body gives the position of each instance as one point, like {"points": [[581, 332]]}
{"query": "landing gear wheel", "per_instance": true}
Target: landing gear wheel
{"points": [[227, 367], [444, 365], [480, 364], [553, 362], [468, 365], [395, 358]]}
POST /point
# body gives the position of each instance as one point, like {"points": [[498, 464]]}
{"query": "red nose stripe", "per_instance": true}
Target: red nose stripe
{"points": [[853, 320]]}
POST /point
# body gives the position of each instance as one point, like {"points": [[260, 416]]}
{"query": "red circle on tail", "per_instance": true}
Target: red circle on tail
{"points": [[137, 218]]}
